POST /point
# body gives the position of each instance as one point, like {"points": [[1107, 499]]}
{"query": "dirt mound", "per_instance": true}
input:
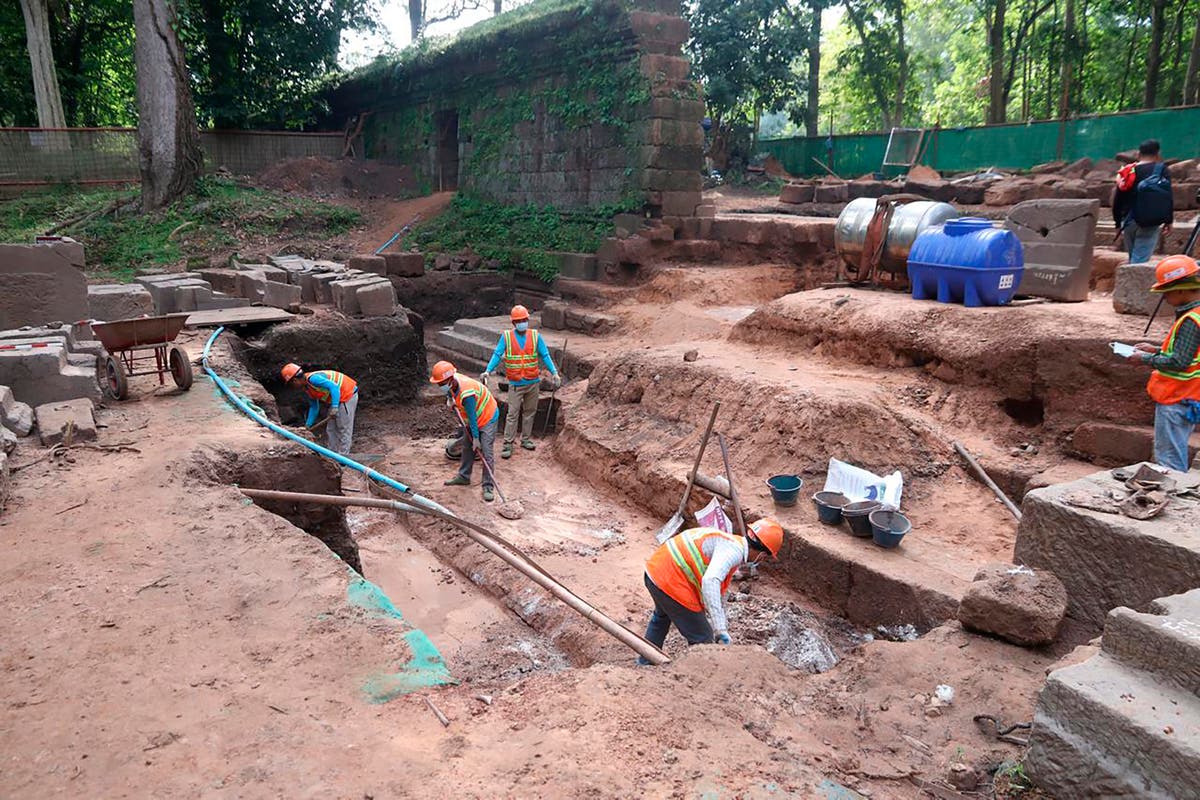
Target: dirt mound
{"points": [[339, 178]]}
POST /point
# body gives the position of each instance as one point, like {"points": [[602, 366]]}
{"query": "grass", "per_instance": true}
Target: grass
{"points": [[514, 235], [214, 218]]}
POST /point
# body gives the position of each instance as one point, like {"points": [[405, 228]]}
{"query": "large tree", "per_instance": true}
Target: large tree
{"points": [[41, 60], [883, 58], [168, 140]]}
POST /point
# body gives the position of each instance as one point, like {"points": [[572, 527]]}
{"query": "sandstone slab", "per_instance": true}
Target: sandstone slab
{"points": [[107, 302], [1017, 604], [377, 300], [42, 283], [53, 420], [1131, 290], [1057, 237]]}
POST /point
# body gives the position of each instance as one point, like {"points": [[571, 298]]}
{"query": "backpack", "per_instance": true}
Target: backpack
{"points": [[1153, 203]]}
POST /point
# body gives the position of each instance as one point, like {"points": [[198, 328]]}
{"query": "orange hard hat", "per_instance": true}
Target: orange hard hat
{"points": [[1174, 269], [769, 533], [289, 371], [442, 372], [519, 313]]}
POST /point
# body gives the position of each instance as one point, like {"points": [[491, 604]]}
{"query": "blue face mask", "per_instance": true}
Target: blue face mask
{"points": [[444, 388], [521, 327]]}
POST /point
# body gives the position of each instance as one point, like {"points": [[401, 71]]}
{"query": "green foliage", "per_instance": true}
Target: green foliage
{"points": [[746, 53], [120, 242], [516, 236]]}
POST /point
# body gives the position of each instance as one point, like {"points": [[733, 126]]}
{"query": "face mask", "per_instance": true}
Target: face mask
{"points": [[522, 327], [444, 389]]}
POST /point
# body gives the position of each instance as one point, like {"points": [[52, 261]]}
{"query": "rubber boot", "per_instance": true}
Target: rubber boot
{"points": [[506, 451], [528, 444], [488, 496], [457, 480]]}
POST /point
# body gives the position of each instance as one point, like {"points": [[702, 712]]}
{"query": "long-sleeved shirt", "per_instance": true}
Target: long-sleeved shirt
{"points": [[472, 409], [723, 558], [1126, 191], [314, 405], [1187, 342], [542, 351]]}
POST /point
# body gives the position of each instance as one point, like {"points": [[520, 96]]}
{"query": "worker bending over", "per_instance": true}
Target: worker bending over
{"points": [[688, 576], [333, 389], [478, 415], [1175, 383], [521, 349]]}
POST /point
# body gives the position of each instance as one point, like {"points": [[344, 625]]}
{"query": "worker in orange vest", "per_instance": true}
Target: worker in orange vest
{"points": [[478, 415], [688, 576], [1175, 383], [521, 348], [333, 389]]}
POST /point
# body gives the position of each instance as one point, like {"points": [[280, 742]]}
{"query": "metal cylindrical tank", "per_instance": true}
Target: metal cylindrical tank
{"points": [[908, 220]]}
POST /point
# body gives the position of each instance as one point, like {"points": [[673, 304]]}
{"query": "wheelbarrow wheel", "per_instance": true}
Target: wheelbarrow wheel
{"points": [[116, 383], [181, 368]]}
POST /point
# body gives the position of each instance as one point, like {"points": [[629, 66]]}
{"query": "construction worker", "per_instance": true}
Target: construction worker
{"points": [[1175, 383], [688, 576], [521, 349], [478, 415], [333, 389]]}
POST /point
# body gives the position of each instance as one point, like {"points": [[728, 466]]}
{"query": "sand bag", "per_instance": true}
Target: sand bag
{"points": [[858, 484]]}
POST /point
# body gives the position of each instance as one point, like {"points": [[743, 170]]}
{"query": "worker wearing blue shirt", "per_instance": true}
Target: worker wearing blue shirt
{"points": [[332, 388], [521, 349]]}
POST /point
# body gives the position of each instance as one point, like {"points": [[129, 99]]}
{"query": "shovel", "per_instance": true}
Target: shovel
{"points": [[508, 510], [675, 523], [733, 495]]}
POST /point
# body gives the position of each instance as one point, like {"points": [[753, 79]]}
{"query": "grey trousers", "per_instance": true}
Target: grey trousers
{"points": [[340, 429], [487, 445], [522, 405]]}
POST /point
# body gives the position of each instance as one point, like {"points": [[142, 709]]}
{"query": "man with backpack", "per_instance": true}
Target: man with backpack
{"points": [[1142, 202]]}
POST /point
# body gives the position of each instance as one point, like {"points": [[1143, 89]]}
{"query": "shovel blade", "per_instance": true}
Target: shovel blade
{"points": [[673, 526]]}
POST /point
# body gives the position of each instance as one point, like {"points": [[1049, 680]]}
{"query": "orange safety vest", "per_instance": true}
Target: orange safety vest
{"points": [[485, 402], [1168, 387], [345, 383], [678, 566], [521, 363]]}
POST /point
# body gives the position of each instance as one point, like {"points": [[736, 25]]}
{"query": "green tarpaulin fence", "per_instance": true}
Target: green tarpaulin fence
{"points": [[1014, 146]]}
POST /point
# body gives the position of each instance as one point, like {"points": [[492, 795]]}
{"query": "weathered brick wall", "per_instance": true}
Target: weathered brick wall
{"points": [[571, 109]]}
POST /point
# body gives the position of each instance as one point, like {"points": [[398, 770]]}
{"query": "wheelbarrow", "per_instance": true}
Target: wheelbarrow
{"points": [[132, 344]]}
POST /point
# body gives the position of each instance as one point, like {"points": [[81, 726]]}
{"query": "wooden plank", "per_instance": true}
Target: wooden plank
{"points": [[245, 315]]}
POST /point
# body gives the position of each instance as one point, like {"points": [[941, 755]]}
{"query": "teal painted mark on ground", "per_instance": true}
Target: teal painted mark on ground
{"points": [[425, 667], [835, 791]]}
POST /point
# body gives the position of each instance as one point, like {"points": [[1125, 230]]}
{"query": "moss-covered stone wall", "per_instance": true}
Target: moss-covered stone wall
{"points": [[568, 103]]}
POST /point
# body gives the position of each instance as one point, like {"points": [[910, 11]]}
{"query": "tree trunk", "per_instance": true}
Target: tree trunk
{"points": [[168, 140], [902, 57], [1154, 54], [1191, 91], [41, 59], [222, 67], [1175, 93], [812, 113], [416, 17], [497, 7], [995, 29], [1070, 51]]}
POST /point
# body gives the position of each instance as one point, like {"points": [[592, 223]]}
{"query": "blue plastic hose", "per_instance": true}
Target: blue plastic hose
{"points": [[242, 405]]}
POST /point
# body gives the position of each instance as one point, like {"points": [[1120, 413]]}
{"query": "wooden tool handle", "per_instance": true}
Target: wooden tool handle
{"points": [[733, 496], [699, 456]]}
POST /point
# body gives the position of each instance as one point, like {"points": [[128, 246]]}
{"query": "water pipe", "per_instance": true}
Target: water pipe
{"points": [[371, 474]]}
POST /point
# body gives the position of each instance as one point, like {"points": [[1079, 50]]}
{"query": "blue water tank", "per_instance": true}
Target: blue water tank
{"points": [[966, 261]]}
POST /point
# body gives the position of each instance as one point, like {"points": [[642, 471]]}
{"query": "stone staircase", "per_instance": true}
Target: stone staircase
{"points": [[469, 343], [49, 365], [1126, 722]]}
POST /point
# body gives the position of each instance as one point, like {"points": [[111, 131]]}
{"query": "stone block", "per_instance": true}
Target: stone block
{"points": [[15, 415], [219, 300], [1104, 268], [933, 188], [796, 193], [1008, 192], [671, 132], [1131, 290], [577, 265], [323, 286], [46, 373], [667, 29], [831, 193], [682, 204], [281, 295], [660, 68], [376, 300], [108, 302], [345, 293], [42, 283], [1017, 604], [628, 224], [706, 210], [252, 286], [1057, 237], [970, 194], [1106, 559], [554, 315], [1185, 195], [54, 418], [8, 441], [405, 265], [223, 280], [686, 159], [673, 108], [268, 271], [180, 295], [369, 263], [593, 323]]}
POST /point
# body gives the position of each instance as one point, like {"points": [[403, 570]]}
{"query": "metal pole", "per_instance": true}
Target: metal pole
{"points": [[991, 484]]}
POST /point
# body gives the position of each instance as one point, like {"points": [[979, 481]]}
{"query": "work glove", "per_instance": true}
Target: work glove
{"points": [[556, 381], [723, 638], [333, 411], [483, 376]]}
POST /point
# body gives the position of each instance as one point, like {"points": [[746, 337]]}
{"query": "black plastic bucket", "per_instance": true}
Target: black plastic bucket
{"points": [[888, 528], [829, 506], [857, 515], [785, 489]]}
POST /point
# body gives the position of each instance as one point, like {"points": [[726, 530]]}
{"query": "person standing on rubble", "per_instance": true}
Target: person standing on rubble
{"points": [[479, 415], [333, 389], [521, 348], [687, 578], [1143, 204], [1175, 383]]}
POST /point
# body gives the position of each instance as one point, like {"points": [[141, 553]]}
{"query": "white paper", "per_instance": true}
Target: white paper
{"points": [[1123, 350], [859, 484]]}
